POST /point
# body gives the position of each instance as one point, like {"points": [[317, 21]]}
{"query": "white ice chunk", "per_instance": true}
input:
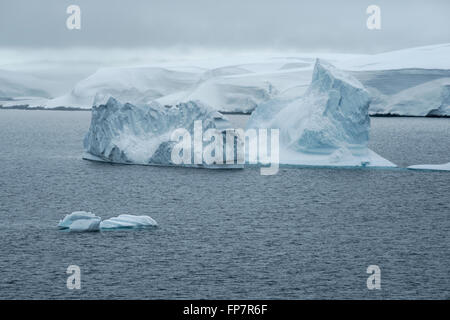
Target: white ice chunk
{"points": [[69, 219], [127, 221], [85, 225], [440, 167]]}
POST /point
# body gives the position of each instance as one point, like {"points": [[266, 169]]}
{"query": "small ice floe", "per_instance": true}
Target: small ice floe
{"points": [[127, 221], [440, 167], [80, 221]]}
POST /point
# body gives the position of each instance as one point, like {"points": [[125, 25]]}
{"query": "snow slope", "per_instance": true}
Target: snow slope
{"points": [[134, 85], [18, 85], [327, 126], [230, 88], [427, 57], [409, 82]]}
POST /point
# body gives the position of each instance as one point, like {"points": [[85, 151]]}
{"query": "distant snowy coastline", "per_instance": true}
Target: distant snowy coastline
{"points": [[409, 82]]}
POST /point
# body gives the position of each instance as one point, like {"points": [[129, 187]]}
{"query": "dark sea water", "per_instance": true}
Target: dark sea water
{"points": [[300, 234]]}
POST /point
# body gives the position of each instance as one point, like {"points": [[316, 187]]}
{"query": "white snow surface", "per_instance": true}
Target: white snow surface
{"points": [[408, 92], [426, 57], [19, 85], [231, 83], [127, 221], [134, 85], [439, 167], [327, 126], [410, 82]]}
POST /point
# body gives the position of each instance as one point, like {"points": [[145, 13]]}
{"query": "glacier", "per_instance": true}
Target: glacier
{"points": [[407, 82], [141, 134], [327, 126]]}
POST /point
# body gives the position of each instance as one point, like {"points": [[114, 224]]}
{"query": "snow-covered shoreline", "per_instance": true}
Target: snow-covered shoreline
{"points": [[409, 82]]}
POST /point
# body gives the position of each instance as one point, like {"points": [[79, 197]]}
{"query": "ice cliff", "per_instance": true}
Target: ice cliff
{"points": [[327, 126], [141, 134]]}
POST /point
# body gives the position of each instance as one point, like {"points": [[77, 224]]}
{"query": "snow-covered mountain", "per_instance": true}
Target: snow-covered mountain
{"points": [[411, 82], [18, 85]]}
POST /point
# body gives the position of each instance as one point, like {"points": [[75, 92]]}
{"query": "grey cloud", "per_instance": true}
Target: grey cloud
{"points": [[327, 25]]}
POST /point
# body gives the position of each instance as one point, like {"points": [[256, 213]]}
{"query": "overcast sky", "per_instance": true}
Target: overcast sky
{"points": [[325, 25]]}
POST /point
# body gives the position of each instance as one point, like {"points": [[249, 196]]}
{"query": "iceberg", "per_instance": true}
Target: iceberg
{"points": [[327, 126], [439, 167], [85, 225], [80, 221], [127, 221], [141, 134]]}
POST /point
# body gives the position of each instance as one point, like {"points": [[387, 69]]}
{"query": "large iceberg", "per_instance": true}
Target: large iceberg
{"points": [[327, 126], [142, 134]]}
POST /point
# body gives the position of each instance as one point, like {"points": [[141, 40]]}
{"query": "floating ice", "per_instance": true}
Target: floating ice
{"points": [[85, 225], [141, 134], [127, 221], [440, 167], [327, 126], [80, 221]]}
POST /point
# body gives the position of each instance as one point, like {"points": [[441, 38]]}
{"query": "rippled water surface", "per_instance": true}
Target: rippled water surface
{"points": [[301, 234]]}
